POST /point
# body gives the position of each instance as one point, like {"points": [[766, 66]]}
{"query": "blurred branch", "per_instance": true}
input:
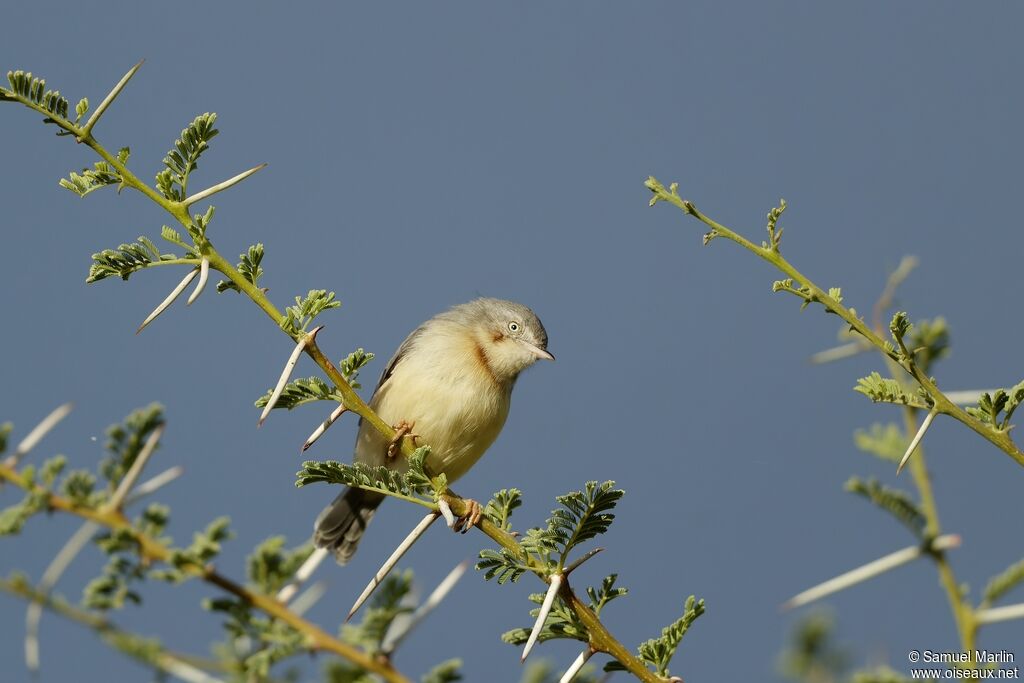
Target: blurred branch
{"points": [[150, 549], [142, 649]]}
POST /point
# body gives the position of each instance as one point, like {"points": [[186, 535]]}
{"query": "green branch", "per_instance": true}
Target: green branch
{"points": [[152, 550], [812, 293], [600, 638]]}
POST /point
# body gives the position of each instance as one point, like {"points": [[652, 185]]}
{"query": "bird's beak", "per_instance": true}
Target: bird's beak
{"points": [[542, 354]]}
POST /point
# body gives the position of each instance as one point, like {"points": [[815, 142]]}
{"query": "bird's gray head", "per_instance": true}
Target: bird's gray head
{"points": [[509, 334]]}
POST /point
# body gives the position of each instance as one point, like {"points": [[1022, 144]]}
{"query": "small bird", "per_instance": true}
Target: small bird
{"points": [[453, 376]]}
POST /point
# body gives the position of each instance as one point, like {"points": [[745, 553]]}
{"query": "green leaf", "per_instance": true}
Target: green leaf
{"points": [[885, 441], [300, 392], [31, 90], [125, 260], [583, 515], [5, 433], [929, 341], [884, 390], [298, 317], [501, 564], [608, 591], [388, 603], [445, 672], [79, 486], [100, 175], [373, 478], [343, 672], [658, 652], [1002, 401], [270, 566], [125, 441], [499, 508], [172, 182], [249, 266], [352, 364], [1003, 583], [897, 503]]}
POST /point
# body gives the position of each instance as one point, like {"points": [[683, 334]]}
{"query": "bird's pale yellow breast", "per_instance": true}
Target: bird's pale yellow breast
{"points": [[444, 386]]}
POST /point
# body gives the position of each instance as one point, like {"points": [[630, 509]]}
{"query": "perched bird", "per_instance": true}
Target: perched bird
{"points": [[453, 377]]}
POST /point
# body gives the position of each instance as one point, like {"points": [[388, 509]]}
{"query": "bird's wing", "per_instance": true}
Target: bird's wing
{"points": [[399, 354]]}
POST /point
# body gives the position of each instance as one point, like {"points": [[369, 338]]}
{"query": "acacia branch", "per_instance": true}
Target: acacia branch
{"points": [[601, 639], [770, 253], [186, 667], [153, 551]]}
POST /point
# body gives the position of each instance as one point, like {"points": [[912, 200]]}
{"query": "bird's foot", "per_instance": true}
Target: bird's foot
{"points": [[402, 429], [472, 517]]}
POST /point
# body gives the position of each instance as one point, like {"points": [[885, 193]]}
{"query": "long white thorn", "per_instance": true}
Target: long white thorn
{"points": [[126, 484], [204, 275], [175, 293], [446, 512], [542, 616], [109, 99], [390, 563], [571, 672], [66, 556], [185, 671], [308, 598], [925, 424], [302, 574], [51, 575], [287, 372], [154, 484], [210, 191], [37, 433], [994, 614], [968, 396], [839, 352], [393, 640], [869, 571], [319, 431]]}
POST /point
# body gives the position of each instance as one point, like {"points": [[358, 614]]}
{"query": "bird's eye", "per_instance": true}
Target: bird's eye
{"points": [[513, 326]]}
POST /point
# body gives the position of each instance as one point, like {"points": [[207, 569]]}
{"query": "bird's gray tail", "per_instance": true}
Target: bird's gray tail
{"points": [[342, 523]]}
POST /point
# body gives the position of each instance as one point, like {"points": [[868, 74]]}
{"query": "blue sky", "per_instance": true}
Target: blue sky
{"points": [[420, 156]]}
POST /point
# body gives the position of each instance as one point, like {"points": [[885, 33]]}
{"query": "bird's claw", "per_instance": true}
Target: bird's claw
{"points": [[472, 517], [402, 429]]}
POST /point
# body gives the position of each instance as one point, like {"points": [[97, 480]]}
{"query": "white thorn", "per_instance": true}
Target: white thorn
{"points": [[204, 275], [67, 554], [839, 352], [51, 575], [576, 666], [185, 671], [319, 431], [129, 479], [210, 191], [109, 99], [308, 598], [390, 563], [287, 372], [542, 616], [917, 439], [37, 433], [994, 614], [869, 571], [302, 574], [393, 640], [446, 512], [153, 484], [169, 300], [968, 396]]}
